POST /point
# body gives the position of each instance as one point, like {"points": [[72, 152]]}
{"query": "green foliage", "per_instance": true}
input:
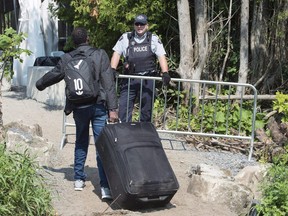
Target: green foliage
{"points": [[158, 109], [106, 20], [274, 188], [222, 117], [260, 121], [212, 117], [174, 100], [173, 61], [120, 14], [281, 105], [218, 36], [9, 44], [234, 63], [23, 189]]}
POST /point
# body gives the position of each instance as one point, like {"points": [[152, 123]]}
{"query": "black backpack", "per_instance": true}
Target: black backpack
{"points": [[80, 77]]}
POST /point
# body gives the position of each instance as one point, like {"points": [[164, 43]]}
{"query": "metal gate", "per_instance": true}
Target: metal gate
{"points": [[219, 112]]}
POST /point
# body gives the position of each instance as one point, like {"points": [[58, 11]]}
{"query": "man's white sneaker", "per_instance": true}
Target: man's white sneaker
{"points": [[79, 185], [106, 193]]}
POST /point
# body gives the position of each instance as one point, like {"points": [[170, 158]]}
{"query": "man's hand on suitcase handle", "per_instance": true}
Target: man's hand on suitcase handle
{"points": [[113, 116]]}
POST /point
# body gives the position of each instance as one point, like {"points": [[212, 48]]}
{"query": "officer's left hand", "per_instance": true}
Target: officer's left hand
{"points": [[166, 78]]}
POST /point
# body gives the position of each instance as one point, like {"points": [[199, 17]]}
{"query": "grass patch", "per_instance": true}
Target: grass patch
{"points": [[23, 190]]}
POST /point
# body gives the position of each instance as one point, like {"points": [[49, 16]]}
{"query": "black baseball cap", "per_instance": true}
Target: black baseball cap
{"points": [[141, 18]]}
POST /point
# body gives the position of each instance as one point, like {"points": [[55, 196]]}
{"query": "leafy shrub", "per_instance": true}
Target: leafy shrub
{"points": [[275, 188], [9, 45], [281, 105], [23, 190], [213, 116]]}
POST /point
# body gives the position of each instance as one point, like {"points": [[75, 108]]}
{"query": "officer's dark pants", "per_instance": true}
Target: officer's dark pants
{"points": [[127, 99]]}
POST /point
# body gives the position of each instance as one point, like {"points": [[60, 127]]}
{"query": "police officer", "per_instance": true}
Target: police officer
{"points": [[140, 49]]}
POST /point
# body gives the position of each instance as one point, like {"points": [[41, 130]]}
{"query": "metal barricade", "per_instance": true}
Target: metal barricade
{"points": [[179, 112]]}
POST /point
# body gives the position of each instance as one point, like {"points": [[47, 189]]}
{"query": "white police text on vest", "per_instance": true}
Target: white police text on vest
{"points": [[140, 49]]}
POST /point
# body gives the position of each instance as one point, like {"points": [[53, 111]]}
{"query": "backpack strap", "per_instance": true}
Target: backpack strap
{"points": [[67, 56], [88, 52]]}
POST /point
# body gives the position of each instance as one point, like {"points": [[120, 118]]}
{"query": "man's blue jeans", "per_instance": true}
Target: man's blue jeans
{"points": [[97, 115]]}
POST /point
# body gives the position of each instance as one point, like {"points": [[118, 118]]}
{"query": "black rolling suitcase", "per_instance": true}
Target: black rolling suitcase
{"points": [[136, 166]]}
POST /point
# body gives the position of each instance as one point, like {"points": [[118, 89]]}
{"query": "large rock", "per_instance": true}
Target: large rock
{"points": [[212, 184], [250, 176], [20, 137]]}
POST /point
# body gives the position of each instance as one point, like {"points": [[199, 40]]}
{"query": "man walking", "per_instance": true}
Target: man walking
{"points": [[95, 110]]}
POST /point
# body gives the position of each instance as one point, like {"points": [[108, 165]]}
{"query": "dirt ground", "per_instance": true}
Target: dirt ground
{"points": [[68, 202]]}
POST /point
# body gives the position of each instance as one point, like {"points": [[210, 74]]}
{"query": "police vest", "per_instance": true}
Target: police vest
{"points": [[140, 56]]}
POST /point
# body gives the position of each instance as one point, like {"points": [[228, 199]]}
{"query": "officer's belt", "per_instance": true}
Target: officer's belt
{"points": [[145, 73]]}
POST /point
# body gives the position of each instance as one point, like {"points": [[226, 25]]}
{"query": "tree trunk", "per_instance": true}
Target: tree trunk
{"points": [[201, 46], [186, 47], [269, 46], [228, 42], [259, 52], [244, 48], [201, 41]]}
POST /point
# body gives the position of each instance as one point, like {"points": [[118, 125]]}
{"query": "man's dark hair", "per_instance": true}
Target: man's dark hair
{"points": [[79, 35]]}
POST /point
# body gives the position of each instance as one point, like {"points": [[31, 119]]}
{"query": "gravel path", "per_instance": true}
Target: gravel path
{"points": [[225, 160]]}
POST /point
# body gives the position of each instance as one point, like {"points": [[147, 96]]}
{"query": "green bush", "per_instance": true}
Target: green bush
{"points": [[23, 189], [281, 105], [274, 188], [213, 116], [9, 45]]}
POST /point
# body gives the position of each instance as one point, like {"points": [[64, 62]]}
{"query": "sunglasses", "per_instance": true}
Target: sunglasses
{"points": [[139, 24]]}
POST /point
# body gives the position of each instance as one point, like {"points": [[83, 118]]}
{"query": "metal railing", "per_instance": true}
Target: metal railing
{"points": [[218, 112]]}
